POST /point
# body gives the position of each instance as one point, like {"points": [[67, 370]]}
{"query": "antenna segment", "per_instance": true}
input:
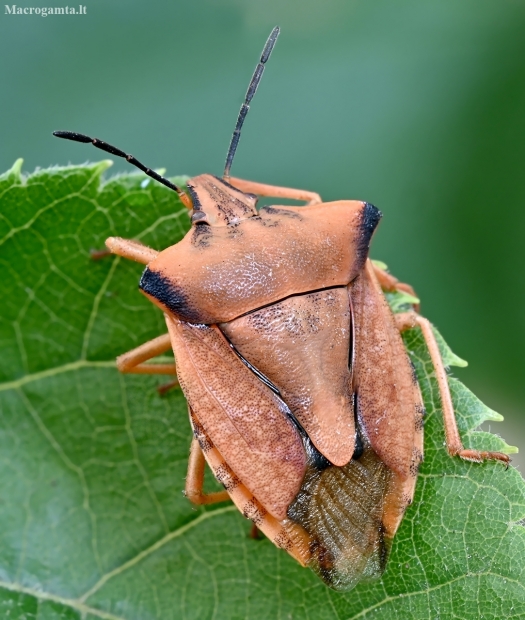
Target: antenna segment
{"points": [[100, 144], [252, 89]]}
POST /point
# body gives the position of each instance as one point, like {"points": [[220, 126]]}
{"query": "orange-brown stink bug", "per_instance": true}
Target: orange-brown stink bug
{"points": [[301, 395]]}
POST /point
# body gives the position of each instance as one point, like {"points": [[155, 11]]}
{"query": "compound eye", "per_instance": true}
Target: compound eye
{"points": [[199, 217], [253, 197]]}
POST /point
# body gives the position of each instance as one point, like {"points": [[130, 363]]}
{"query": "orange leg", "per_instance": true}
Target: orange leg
{"points": [[195, 479], [166, 387], [134, 250], [284, 534], [409, 320], [262, 189], [390, 283], [99, 254], [132, 361]]}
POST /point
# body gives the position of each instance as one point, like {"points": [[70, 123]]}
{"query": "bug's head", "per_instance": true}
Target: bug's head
{"points": [[217, 203]]}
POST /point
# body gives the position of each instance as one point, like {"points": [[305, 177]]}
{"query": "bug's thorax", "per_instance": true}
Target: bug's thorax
{"points": [[236, 259]]}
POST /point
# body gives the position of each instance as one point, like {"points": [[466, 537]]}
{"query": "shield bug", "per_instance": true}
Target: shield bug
{"points": [[301, 395]]}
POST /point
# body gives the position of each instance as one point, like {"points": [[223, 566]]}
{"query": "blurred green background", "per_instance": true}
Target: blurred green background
{"points": [[416, 106]]}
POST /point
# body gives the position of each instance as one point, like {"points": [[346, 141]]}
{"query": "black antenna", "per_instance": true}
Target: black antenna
{"points": [[79, 137], [252, 89]]}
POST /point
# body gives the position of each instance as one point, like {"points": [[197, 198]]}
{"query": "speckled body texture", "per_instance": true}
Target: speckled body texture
{"points": [[247, 422], [389, 402], [301, 394], [302, 345], [219, 272]]}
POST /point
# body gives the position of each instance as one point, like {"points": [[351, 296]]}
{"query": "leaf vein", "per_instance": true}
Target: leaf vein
{"points": [[52, 372], [406, 595], [158, 545]]}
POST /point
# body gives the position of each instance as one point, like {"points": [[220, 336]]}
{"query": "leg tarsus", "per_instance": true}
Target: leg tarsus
{"points": [[409, 320], [477, 456], [195, 479]]}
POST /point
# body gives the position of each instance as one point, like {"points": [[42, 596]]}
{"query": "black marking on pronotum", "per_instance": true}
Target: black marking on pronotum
{"points": [[162, 289], [369, 220], [371, 217], [276, 211], [202, 233]]}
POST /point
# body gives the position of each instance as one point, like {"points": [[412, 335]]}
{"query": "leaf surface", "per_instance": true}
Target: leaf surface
{"points": [[93, 523]]}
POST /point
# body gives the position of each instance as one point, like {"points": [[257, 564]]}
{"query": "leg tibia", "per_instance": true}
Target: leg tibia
{"points": [[390, 283], [408, 320], [195, 479], [284, 534]]}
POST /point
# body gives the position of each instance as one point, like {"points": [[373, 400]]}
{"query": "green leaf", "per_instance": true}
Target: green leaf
{"points": [[400, 301], [377, 263], [449, 357], [93, 523]]}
